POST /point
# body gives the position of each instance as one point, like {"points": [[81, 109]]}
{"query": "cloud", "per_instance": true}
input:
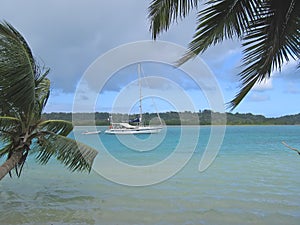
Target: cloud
{"points": [[263, 85], [224, 57], [289, 71], [256, 97], [292, 88], [69, 35]]}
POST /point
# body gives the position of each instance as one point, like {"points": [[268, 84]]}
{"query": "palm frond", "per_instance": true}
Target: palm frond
{"points": [[273, 39], [162, 13], [222, 19], [17, 70], [42, 93], [60, 127], [76, 156], [9, 124], [269, 31], [242, 93], [42, 73], [5, 150]]}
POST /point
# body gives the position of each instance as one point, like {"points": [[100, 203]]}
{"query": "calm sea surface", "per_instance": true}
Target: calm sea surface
{"points": [[253, 180]]}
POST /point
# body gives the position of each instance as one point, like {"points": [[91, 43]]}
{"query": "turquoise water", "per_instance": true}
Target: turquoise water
{"points": [[253, 180]]}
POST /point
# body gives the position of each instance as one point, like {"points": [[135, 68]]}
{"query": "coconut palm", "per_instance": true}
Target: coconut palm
{"points": [[24, 91], [268, 29]]}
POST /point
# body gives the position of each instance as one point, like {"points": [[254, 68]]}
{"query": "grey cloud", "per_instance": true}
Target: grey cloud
{"points": [[69, 35]]}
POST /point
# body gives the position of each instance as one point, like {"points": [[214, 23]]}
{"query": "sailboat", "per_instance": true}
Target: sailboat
{"points": [[139, 127]]}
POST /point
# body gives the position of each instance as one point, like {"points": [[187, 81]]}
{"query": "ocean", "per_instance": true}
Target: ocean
{"points": [[253, 180]]}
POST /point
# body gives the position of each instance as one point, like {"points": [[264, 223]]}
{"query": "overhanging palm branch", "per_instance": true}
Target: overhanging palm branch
{"points": [[225, 19], [272, 39], [162, 13], [52, 141], [59, 127], [268, 29], [76, 156]]}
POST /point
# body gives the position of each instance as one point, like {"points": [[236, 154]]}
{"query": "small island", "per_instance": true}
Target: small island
{"points": [[173, 118]]}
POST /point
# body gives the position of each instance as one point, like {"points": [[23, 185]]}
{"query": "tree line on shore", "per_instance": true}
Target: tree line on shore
{"points": [[177, 118]]}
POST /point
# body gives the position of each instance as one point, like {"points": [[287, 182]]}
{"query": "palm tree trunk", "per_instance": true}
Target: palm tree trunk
{"points": [[10, 163]]}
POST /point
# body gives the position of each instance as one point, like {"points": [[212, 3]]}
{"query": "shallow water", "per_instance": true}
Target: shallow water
{"points": [[254, 180]]}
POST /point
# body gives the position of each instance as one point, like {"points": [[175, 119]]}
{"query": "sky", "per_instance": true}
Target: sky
{"points": [[70, 37]]}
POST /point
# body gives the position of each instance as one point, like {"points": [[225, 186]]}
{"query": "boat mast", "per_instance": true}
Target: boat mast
{"points": [[140, 87]]}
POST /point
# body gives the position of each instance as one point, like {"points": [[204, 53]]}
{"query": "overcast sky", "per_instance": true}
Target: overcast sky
{"points": [[68, 36]]}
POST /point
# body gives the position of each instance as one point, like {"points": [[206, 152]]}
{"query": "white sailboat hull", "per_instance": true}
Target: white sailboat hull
{"points": [[136, 130]]}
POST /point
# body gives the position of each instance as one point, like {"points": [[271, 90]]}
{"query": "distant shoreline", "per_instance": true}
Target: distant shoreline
{"points": [[227, 125], [175, 118]]}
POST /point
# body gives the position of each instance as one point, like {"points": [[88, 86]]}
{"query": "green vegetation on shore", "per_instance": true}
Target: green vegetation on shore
{"points": [[173, 118]]}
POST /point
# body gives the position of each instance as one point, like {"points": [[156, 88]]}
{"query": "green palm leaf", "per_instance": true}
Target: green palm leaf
{"points": [[224, 19], [9, 124], [269, 30], [24, 92], [5, 150], [17, 71], [76, 156], [60, 127], [272, 40], [42, 93], [163, 12]]}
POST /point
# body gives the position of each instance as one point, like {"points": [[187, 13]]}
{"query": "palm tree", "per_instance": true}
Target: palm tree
{"points": [[24, 91], [268, 29]]}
